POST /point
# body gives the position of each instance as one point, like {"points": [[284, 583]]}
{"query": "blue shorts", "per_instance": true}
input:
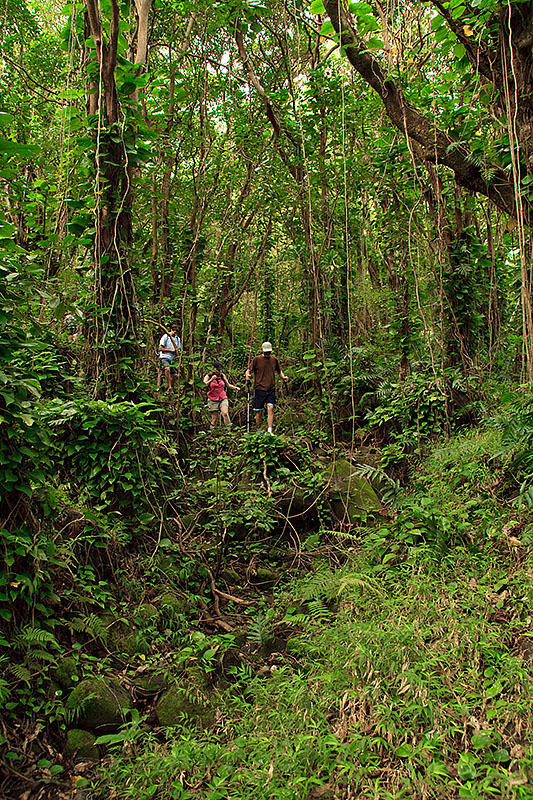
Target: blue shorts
{"points": [[166, 362], [263, 398]]}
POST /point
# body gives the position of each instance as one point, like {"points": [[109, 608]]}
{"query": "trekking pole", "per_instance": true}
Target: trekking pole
{"points": [[247, 406]]}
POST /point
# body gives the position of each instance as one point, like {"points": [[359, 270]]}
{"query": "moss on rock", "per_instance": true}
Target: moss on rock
{"points": [[178, 702], [66, 672], [265, 575], [150, 684], [146, 614], [98, 703], [172, 605], [352, 496], [81, 745], [124, 638]]}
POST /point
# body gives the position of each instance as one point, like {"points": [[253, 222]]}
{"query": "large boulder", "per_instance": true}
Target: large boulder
{"points": [[351, 495], [98, 704]]}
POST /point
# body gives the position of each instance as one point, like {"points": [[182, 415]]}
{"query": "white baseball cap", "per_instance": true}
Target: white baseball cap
{"points": [[266, 347]]}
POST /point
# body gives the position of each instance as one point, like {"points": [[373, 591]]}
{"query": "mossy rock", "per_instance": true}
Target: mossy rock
{"points": [[98, 703], [231, 576], [128, 640], [135, 643], [81, 745], [66, 672], [146, 614], [172, 605], [265, 575], [352, 496], [150, 684], [178, 702]]}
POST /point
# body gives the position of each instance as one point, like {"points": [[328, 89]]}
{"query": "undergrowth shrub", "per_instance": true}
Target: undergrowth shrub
{"points": [[110, 453], [517, 451]]}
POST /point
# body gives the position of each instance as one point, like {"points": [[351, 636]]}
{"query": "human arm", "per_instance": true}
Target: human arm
{"points": [[230, 385], [280, 371], [207, 378]]}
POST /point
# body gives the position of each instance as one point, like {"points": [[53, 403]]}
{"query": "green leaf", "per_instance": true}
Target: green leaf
{"points": [[6, 230], [5, 118], [7, 147], [437, 768], [111, 738], [493, 690], [466, 767], [327, 29], [501, 756], [317, 7], [404, 751], [481, 740]]}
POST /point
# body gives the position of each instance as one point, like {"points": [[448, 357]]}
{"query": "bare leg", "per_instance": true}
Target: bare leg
{"points": [[159, 376], [169, 378], [225, 416], [214, 418], [258, 418], [270, 416]]}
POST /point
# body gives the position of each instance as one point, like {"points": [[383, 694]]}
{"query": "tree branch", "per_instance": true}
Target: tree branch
{"points": [[436, 146]]}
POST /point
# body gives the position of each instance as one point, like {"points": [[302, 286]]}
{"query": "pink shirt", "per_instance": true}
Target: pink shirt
{"points": [[217, 389]]}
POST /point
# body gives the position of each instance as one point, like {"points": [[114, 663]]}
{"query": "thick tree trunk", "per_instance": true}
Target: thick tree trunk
{"points": [[113, 332]]}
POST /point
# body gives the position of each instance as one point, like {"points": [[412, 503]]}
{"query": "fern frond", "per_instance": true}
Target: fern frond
{"points": [[5, 694], [20, 672], [318, 610], [321, 584], [41, 655], [34, 637], [91, 625], [358, 580]]}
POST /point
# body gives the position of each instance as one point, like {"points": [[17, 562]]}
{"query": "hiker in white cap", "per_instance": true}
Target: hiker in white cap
{"points": [[264, 368]]}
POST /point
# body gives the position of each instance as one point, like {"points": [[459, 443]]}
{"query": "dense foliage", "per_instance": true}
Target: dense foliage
{"points": [[340, 609]]}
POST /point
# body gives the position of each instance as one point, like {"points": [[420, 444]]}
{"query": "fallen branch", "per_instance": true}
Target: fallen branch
{"points": [[227, 596]]}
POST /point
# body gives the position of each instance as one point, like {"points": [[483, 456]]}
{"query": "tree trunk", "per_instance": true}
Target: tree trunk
{"points": [[113, 334]]}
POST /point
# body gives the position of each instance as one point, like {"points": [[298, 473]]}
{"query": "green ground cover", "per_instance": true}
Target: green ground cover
{"points": [[405, 670]]}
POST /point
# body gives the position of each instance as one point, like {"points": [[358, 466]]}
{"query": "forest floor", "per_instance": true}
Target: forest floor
{"points": [[390, 660]]}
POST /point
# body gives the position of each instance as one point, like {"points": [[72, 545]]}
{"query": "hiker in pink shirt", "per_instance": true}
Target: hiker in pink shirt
{"points": [[217, 399]]}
